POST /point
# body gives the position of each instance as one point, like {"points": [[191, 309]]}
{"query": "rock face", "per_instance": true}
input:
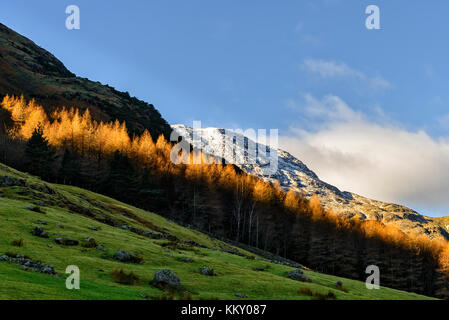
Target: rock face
{"points": [[165, 277], [293, 174], [67, 242]]}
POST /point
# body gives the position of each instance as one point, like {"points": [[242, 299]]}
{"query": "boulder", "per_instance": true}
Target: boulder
{"points": [[240, 295], [123, 256], [297, 274], [39, 232], [35, 209], [66, 242], [205, 270], [89, 243], [165, 278], [100, 247]]}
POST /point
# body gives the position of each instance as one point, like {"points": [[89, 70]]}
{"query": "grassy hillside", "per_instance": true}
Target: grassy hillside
{"points": [[71, 212]]}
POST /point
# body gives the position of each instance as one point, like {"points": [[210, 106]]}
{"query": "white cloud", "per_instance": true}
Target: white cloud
{"points": [[331, 69], [379, 160]]}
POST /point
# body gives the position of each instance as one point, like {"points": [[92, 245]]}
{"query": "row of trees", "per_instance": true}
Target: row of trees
{"points": [[214, 198]]}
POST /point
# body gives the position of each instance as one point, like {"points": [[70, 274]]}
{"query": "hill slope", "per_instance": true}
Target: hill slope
{"points": [[70, 212], [294, 174], [27, 69]]}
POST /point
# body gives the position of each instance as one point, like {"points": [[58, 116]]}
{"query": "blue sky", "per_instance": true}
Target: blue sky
{"points": [[267, 64]]}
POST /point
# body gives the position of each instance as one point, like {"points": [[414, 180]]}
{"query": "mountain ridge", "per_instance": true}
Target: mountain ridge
{"points": [[28, 69], [293, 174]]}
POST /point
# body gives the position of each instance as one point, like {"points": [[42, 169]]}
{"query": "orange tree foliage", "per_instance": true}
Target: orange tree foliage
{"points": [[68, 128]]}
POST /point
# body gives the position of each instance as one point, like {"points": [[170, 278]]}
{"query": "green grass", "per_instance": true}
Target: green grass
{"points": [[234, 273]]}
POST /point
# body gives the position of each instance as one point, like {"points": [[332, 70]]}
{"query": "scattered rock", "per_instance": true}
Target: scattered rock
{"points": [[297, 274], [258, 269], [61, 226], [240, 295], [122, 256], [35, 209], [42, 222], [66, 242], [185, 259], [28, 264], [195, 244], [166, 278], [89, 243], [339, 284], [8, 181], [206, 271], [93, 228], [124, 227], [100, 247], [39, 232]]}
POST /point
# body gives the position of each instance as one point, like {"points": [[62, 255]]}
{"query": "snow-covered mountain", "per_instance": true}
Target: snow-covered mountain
{"points": [[259, 160]]}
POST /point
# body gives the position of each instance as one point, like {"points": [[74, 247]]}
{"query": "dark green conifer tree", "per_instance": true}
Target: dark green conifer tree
{"points": [[39, 155]]}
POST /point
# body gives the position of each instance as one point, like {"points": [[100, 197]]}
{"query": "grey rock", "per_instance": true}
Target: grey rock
{"points": [[205, 270], [42, 222], [122, 256], [297, 274], [165, 277], [66, 242], [28, 264], [185, 259], [8, 181], [33, 208], [240, 295], [39, 232]]}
